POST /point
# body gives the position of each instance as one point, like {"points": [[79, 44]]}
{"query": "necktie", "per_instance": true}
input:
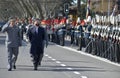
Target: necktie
{"points": [[36, 30]]}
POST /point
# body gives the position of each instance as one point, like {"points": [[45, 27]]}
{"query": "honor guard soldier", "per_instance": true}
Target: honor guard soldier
{"points": [[87, 34], [105, 39], [79, 34], [92, 37], [116, 35], [96, 45], [71, 31], [102, 44], [118, 53], [118, 40], [61, 32]]}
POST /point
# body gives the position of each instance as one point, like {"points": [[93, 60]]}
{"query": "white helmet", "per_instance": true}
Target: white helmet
{"points": [[89, 19], [78, 20]]}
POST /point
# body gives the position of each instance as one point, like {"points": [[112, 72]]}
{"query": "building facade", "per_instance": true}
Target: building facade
{"points": [[105, 6]]}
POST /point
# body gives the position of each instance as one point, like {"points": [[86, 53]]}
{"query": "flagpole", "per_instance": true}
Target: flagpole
{"points": [[109, 10], [102, 14], [102, 5], [88, 8]]}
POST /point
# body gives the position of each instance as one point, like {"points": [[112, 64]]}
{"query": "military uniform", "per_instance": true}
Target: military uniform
{"points": [[13, 41], [87, 38], [61, 35], [72, 31], [92, 42], [79, 37], [118, 43]]}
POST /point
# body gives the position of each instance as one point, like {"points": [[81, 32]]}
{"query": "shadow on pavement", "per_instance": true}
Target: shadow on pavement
{"points": [[59, 68], [54, 69]]}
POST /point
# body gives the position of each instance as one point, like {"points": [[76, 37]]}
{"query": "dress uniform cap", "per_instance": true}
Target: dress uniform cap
{"points": [[89, 19], [102, 18], [78, 20], [97, 18], [112, 20]]}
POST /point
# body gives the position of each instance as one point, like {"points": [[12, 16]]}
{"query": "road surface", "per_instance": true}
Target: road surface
{"points": [[58, 62]]}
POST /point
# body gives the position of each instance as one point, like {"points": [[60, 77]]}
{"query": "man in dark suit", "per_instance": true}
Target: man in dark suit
{"points": [[37, 36]]}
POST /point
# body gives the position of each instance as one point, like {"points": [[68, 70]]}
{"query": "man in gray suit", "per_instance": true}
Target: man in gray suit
{"points": [[13, 42]]}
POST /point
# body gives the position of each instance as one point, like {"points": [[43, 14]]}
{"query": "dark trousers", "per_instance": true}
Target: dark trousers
{"points": [[38, 59], [72, 38], [81, 43], [111, 52], [88, 45], [98, 43], [93, 45], [101, 47], [53, 37], [62, 39], [106, 50], [118, 53], [57, 38], [37, 56]]}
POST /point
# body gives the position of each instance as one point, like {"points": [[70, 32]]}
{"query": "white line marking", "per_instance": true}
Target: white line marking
{"points": [[49, 57], [46, 55], [69, 68], [90, 55], [58, 62], [75, 72], [84, 77], [63, 65], [54, 59]]}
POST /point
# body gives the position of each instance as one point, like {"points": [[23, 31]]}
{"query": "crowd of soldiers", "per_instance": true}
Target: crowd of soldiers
{"points": [[105, 41], [98, 38]]}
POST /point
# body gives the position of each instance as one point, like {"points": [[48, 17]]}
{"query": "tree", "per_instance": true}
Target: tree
{"points": [[29, 8], [78, 8]]}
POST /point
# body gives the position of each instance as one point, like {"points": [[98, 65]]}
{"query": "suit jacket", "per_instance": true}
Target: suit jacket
{"points": [[13, 38], [37, 40]]}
